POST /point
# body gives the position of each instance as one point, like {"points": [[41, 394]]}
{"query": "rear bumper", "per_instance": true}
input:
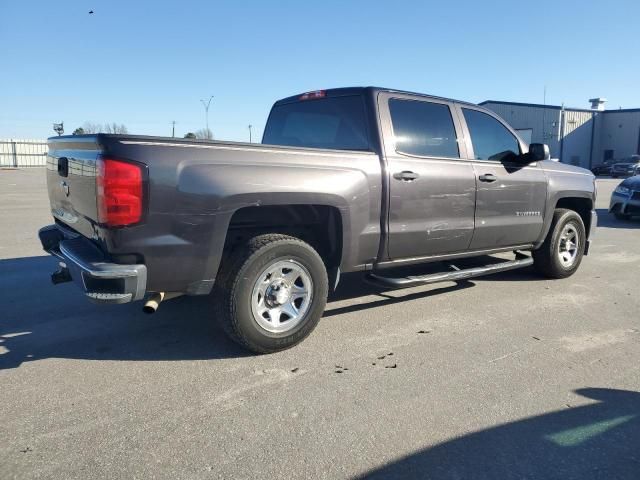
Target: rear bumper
{"points": [[89, 267], [622, 172]]}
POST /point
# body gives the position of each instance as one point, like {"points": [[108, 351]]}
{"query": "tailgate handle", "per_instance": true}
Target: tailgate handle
{"points": [[63, 166]]}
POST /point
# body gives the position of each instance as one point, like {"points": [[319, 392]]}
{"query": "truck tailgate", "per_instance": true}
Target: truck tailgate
{"points": [[71, 182]]}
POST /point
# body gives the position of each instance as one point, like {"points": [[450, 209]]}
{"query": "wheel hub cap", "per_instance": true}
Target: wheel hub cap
{"points": [[277, 293], [281, 296], [568, 246]]}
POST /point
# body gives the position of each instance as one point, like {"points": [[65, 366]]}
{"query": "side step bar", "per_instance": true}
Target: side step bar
{"points": [[402, 282]]}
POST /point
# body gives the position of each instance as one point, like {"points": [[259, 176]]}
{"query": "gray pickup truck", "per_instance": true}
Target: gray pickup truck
{"points": [[345, 180]]}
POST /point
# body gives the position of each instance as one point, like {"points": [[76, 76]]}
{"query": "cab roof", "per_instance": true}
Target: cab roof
{"points": [[348, 91]]}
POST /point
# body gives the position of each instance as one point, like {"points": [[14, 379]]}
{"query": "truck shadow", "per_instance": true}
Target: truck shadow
{"points": [[353, 285], [599, 440], [38, 320]]}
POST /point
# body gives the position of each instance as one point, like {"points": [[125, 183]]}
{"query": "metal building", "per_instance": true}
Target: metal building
{"points": [[583, 137]]}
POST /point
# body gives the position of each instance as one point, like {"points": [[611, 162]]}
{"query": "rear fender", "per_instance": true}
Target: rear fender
{"points": [[213, 193]]}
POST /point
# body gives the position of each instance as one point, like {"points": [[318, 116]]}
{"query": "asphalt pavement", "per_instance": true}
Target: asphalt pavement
{"points": [[508, 376]]}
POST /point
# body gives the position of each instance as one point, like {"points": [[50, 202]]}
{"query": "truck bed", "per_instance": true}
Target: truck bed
{"points": [[190, 199]]}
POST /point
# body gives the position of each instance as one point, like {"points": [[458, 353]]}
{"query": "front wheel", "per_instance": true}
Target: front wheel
{"points": [[562, 251], [271, 293]]}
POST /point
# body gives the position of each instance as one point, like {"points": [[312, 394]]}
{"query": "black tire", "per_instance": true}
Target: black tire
{"points": [[232, 295], [546, 259]]}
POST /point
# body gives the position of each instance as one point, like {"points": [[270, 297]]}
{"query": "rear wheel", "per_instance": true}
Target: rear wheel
{"points": [[562, 251], [271, 293]]}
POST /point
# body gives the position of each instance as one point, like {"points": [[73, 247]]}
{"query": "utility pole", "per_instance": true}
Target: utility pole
{"points": [[173, 129], [544, 115], [206, 105], [250, 133]]}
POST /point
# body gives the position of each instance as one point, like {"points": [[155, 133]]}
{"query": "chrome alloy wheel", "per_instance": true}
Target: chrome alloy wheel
{"points": [[281, 296], [568, 246]]}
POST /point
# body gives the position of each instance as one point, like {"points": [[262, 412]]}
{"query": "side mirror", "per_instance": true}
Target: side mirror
{"points": [[538, 152]]}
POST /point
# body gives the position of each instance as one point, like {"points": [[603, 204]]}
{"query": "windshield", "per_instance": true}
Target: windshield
{"points": [[333, 123]]}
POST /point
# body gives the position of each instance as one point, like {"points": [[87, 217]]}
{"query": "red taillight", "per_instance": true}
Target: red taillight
{"points": [[311, 95], [120, 192]]}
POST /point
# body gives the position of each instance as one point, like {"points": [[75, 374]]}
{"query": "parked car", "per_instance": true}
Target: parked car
{"points": [[604, 168], [625, 199], [345, 180], [626, 167]]}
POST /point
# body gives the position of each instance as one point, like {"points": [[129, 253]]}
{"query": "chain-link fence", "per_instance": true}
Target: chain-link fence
{"points": [[23, 153]]}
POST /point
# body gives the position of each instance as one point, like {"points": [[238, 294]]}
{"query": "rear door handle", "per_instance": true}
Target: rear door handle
{"points": [[405, 176], [488, 177]]}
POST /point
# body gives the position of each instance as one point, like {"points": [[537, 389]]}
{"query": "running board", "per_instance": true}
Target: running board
{"points": [[402, 282]]}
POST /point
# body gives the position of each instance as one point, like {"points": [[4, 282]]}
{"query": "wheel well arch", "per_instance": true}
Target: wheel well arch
{"points": [[582, 206], [321, 226]]}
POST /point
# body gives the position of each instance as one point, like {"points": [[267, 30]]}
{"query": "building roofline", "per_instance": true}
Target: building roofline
{"points": [[535, 105], [558, 107], [623, 110]]}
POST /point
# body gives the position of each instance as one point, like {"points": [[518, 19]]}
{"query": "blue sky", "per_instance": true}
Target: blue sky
{"points": [[146, 63]]}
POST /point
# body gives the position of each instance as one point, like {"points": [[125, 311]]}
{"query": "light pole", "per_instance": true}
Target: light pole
{"points": [[206, 105], [250, 133]]}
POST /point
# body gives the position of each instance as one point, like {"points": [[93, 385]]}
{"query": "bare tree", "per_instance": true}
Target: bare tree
{"points": [[204, 133], [90, 127], [115, 128]]}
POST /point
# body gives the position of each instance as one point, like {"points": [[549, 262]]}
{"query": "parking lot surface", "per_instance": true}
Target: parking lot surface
{"points": [[508, 376]]}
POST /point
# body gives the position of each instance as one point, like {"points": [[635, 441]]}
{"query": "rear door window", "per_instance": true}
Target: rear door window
{"points": [[424, 129], [331, 122]]}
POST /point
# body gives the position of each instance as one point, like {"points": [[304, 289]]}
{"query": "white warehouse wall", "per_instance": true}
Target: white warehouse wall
{"points": [[576, 136], [544, 121], [618, 130], [576, 139]]}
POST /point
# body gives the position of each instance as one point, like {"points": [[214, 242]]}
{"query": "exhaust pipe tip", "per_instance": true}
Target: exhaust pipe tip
{"points": [[151, 305], [149, 309], [153, 302]]}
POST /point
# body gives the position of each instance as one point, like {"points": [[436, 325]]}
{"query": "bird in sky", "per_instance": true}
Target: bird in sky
{"points": [[90, 12]]}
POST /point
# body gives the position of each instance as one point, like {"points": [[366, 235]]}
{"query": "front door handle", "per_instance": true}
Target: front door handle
{"points": [[405, 176], [488, 177]]}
